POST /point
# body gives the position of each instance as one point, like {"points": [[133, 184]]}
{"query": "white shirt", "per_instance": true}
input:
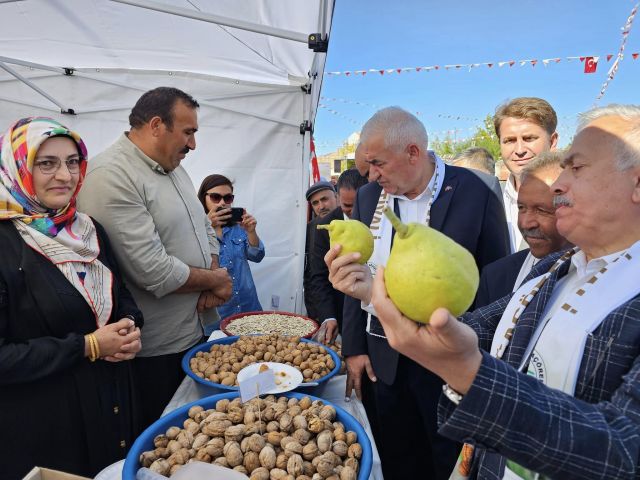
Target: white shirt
{"points": [[529, 262], [510, 199]]}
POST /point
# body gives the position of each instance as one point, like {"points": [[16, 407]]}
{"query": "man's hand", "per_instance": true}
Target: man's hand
{"points": [[331, 331], [208, 300], [445, 346], [347, 275], [356, 365], [221, 286]]}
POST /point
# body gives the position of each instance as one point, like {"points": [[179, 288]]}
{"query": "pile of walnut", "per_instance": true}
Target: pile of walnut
{"points": [[337, 347], [300, 440], [222, 363]]}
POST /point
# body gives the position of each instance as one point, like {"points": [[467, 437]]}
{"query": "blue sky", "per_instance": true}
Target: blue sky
{"points": [[409, 33]]}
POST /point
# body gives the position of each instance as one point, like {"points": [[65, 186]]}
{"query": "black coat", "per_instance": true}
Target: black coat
{"points": [[328, 301], [467, 211], [498, 278], [57, 409]]}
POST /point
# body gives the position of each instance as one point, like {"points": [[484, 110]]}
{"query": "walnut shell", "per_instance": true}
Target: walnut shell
{"points": [[286, 423], [273, 426], [235, 414], [234, 433], [203, 456], [304, 402], [173, 432], [260, 473], [281, 461], [324, 441], [308, 468], [299, 422], [274, 438], [251, 461], [214, 447], [285, 440], [200, 440], [216, 428], [316, 425], [241, 469], [325, 465], [221, 405], [302, 436], [267, 457], [348, 473], [339, 434], [222, 461], [160, 441], [173, 446], [355, 450], [194, 410], [352, 462], [352, 437], [294, 465], [256, 443], [277, 474], [310, 451], [340, 448], [249, 417], [233, 454], [147, 458], [292, 447]]}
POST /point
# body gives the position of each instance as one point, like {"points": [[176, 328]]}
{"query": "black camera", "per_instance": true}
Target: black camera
{"points": [[236, 215]]}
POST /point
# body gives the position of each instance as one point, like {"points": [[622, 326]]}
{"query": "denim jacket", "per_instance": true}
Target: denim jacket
{"points": [[235, 252]]}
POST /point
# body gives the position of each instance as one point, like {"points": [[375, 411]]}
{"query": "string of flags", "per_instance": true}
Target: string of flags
{"points": [[590, 63], [614, 68]]}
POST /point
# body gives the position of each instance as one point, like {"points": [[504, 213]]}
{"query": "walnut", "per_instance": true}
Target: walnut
{"points": [[324, 440], [302, 436], [352, 437], [215, 415], [200, 440], [173, 432], [214, 447], [340, 448], [235, 414], [233, 454], [203, 456], [174, 469], [325, 465], [348, 473], [292, 447], [162, 452], [295, 410], [216, 428], [222, 461], [160, 441], [285, 440], [234, 433], [241, 469], [308, 468], [180, 457], [277, 474], [304, 403], [281, 461], [251, 461], [185, 438], [274, 438], [316, 425], [309, 451], [249, 417], [338, 433], [286, 423], [294, 465], [273, 426], [352, 462], [194, 410], [255, 427], [355, 450], [221, 405], [256, 443], [267, 457], [299, 422], [260, 473], [147, 458]]}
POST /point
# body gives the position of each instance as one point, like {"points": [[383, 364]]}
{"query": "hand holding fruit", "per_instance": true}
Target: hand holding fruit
{"points": [[348, 275]]}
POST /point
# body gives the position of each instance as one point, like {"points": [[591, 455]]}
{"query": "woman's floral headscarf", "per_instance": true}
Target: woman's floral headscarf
{"points": [[18, 199]]}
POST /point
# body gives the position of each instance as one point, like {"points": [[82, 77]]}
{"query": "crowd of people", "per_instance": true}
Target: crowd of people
{"points": [[537, 380]]}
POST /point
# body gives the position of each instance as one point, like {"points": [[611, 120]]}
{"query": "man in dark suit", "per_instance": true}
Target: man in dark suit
{"points": [[480, 162], [547, 382], [536, 222], [328, 300], [421, 188]]}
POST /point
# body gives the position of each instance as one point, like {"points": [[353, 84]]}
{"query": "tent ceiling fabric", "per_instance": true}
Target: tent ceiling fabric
{"points": [[105, 34], [248, 86]]}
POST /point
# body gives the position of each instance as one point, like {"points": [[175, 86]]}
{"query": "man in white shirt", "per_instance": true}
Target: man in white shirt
{"points": [[548, 381], [525, 127], [536, 223]]}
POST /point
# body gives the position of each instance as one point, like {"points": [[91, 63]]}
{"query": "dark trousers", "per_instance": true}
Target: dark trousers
{"points": [[407, 419], [157, 379]]}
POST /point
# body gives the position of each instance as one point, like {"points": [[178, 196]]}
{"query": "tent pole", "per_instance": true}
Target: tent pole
{"points": [[219, 19], [30, 84]]}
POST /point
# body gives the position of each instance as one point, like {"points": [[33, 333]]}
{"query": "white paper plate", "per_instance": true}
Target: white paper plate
{"points": [[287, 377]]}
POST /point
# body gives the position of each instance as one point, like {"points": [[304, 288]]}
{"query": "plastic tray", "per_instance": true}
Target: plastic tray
{"points": [[225, 322], [179, 415], [207, 387]]}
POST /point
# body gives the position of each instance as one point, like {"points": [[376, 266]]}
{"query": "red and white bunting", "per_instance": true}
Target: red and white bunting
{"points": [[470, 66]]}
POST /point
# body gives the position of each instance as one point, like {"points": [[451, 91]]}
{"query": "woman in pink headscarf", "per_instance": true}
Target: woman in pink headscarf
{"points": [[68, 325]]}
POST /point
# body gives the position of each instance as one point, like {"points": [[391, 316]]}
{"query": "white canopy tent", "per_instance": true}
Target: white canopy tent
{"points": [[248, 63]]}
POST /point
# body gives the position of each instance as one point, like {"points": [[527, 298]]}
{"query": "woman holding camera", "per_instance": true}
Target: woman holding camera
{"points": [[239, 243]]}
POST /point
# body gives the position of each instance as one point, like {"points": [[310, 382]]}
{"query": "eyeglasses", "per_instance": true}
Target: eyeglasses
{"points": [[216, 197], [50, 165]]}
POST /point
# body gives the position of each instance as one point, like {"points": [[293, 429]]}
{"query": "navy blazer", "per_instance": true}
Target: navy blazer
{"points": [[328, 301], [498, 278], [592, 435], [467, 211]]}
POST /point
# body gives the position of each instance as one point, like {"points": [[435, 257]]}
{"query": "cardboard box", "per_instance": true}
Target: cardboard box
{"points": [[47, 474]]}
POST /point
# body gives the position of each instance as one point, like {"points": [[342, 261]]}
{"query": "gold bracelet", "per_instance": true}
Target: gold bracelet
{"points": [[95, 339], [87, 339], [93, 347]]}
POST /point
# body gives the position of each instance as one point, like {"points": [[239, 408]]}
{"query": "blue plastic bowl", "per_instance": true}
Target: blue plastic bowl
{"points": [[176, 418], [207, 387]]}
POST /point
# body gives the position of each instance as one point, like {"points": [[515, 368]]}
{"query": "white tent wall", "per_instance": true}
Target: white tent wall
{"points": [[248, 124]]}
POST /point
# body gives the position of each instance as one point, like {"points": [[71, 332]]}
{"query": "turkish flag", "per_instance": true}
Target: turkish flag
{"points": [[590, 64], [315, 171]]}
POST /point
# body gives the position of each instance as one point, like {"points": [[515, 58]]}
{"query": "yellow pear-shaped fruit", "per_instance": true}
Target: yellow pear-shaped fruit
{"points": [[427, 270], [354, 236]]}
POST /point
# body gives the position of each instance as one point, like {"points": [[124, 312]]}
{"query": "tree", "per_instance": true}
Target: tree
{"points": [[484, 137]]}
